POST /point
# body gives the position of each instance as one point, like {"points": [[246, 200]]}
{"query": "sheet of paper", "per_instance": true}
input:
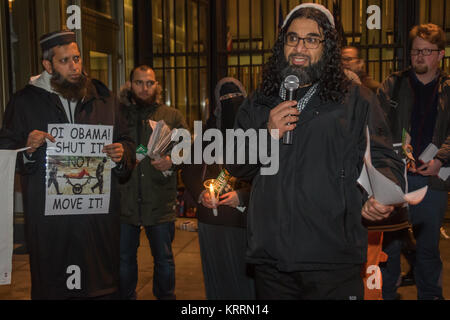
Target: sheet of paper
{"points": [[428, 154], [7, 170], [381, 188], [444, 173]]}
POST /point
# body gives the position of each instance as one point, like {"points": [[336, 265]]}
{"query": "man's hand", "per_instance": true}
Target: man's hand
{"points": [[114, 151], [283, 117], [36, 139], [207, 200], [230, 199], [410, 161], [431, 168], [375, 211], [411, 165], [162, 164]]}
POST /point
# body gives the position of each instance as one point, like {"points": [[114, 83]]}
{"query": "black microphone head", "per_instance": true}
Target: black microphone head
{"points": [[291, 83]]}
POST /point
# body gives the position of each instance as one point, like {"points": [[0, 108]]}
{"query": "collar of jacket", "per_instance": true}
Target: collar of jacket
{"points": [[272, 101], [444, 80], [95, 89], [267, 101], [125, 99]]}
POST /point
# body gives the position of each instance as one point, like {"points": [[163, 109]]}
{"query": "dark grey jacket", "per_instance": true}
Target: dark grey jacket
{"points": [[398, 112]]}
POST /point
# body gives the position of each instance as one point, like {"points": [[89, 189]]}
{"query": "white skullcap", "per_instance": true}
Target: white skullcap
{"points": [[314, 6]]}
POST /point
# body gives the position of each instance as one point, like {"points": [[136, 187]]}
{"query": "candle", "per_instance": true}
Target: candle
{"points": [[213, 198]]}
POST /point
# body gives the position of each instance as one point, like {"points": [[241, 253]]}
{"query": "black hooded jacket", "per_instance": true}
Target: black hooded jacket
{"points": [[308, 215]]}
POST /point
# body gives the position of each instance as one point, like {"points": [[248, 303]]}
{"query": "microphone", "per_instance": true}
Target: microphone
{"points": [[291, 83]]}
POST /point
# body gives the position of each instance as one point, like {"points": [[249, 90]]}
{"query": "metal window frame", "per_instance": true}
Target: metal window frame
{"points": [[406, 14], [5, 58], [167, 53]]}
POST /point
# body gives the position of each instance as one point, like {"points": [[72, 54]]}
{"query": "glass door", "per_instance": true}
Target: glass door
{"points": [[100, 65]]}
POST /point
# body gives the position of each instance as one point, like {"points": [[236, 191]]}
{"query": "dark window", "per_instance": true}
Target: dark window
{"points": [[180, 54]]}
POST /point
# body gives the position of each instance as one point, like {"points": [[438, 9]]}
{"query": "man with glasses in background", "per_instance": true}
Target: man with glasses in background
{"points": [[352, 60], [417, 105]]}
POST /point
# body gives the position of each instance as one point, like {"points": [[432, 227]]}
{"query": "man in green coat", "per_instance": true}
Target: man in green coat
{"points": [[148, 197]]}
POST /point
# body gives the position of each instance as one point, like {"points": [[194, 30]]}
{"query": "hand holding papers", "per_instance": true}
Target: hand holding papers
{"points": [[160, 141], [428, 154], [381, 188]]}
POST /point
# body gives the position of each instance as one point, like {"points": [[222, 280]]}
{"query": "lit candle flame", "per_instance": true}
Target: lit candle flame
{"points": [[213, 198], [211, 190]]}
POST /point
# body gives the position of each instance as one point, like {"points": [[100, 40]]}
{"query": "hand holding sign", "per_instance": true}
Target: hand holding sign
{"points": [[36, 139], [114, 151]]}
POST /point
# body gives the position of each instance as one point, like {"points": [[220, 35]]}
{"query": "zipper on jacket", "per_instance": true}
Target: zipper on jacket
{"points": [[139, 168], [344, 202]]}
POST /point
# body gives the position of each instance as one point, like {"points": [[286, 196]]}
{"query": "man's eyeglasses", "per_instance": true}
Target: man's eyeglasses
{"points": [[293, 39], [149, 83], [424, 52], [349, 59]]}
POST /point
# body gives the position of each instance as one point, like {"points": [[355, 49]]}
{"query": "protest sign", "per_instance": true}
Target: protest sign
{"points": [[78, 176]]}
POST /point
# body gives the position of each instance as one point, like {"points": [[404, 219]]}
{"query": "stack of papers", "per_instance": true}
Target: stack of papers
{"points": [[160, 141], [381, 188]]}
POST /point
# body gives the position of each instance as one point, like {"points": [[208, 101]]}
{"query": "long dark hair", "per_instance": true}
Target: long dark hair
{"points": [[333, 81]]}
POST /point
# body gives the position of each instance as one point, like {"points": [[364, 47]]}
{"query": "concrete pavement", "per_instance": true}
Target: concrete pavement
{"points": [[189, 277]]}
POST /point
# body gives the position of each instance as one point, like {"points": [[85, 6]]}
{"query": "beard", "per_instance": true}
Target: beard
{"points": [[306, 75], [421, 69], [150, 101], [72, 91]]}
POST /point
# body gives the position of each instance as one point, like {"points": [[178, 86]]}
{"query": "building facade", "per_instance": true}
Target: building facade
{"points": [[192, 44]]}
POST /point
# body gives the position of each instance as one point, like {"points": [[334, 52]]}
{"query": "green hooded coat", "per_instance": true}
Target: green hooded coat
{"points": [[148, 197]]}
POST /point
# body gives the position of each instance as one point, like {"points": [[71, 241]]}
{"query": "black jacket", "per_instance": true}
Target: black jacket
{"points": [[397, 99], [57, 242], [308, 215]]}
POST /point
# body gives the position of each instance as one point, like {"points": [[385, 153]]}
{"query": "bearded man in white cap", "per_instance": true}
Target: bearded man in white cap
{"points": [[305, 223], [71, 256]]}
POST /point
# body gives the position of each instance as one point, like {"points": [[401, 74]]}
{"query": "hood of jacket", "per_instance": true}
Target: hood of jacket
{"points": [[126, 100], [125, 95], [43, 81]]}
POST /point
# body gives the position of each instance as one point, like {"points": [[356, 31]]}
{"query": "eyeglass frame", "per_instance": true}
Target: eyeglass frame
{"points": [[146, 83], [422, 52], [303, 39], [348, 59]]}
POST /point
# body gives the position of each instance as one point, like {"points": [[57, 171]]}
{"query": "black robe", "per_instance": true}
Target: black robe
{"points": [[63, 247]]}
